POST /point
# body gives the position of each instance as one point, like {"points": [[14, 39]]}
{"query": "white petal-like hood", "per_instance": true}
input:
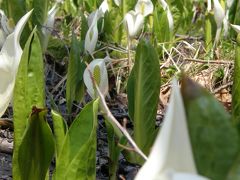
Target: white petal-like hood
{"points": [[169, 14], [48, 25], [209, 5], [92, 35], [236, 28], [219, 13], [103, 7], [134, 23], [99, 71], [171, 154], [117, 2], [145, 7], [10, 57]]}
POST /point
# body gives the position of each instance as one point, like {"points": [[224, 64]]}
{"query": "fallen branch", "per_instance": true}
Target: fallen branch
{"points": [[209, 61], [113, 120]]}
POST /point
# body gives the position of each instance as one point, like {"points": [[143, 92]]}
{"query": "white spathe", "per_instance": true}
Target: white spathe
{"points": [[10, 57], [99, 72], [92, 35], [103, 8], [169, 14], [171, 157], [133, 22], [209, 5], [236, 28], [5, 29], [48, 25], [219, 15], [145, 7], [229, 4], [117, 2]]}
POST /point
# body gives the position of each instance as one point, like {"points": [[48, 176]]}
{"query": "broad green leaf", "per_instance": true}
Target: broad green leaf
{"points": [[214, 140], [143, 93], [235, 170], [28, 92], [16, 9], [236, 87], [37, 148], [60, 129], [210, 28], [77, 158], [76, 67], [39, 15], [84, 26], [40, 12]]}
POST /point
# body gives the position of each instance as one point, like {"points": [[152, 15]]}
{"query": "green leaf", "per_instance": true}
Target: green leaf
{"points": [[76, 67], [214, 140], [40, 12], [236, 88], [37, 147], [84, 26], [209, 31], [60, 130], [28, 91], [77, 159], [143, 93], [39, 15], [235, 170], [16, 9]]}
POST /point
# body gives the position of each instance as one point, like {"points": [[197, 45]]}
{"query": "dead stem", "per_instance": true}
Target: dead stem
{"points": [[210, 61], [112, 119]]}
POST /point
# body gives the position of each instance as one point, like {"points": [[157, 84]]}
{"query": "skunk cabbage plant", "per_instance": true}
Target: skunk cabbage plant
{"points": [[209, 5], [171, 157], [103, 8], [5, 29], [48, 25], [145, 7], [99, 71], [117, 2], [236, 28], [10, 57], [229, 4], [92, 35], [219, 15], [133, 22], [169, 14]]}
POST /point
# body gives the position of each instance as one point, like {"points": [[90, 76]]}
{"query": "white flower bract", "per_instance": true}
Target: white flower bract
{"points": [[10, 57], [117, 2], [169, 14], [48, 25], [99, 72], [133, 22], [171, 157], [145, 7], [92, 35], [236, 28]]}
